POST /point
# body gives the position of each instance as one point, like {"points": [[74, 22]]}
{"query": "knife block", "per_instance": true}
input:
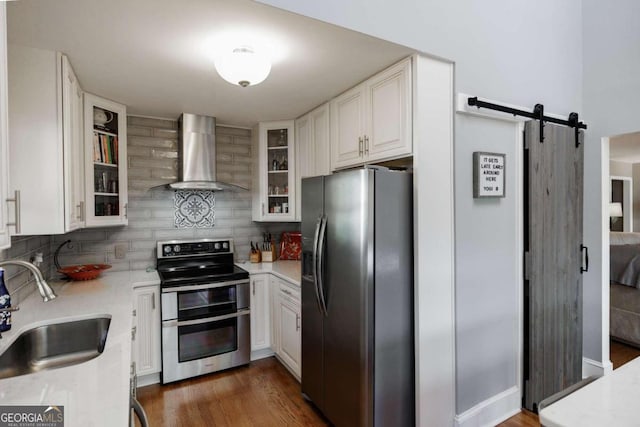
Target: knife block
{"points": [[255, 257], [270, 255]]}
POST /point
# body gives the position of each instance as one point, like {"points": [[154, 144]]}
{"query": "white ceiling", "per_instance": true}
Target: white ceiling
{"points": [[625, 148], [156, 56]]}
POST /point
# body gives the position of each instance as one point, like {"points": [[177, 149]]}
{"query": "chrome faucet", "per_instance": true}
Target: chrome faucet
{"points": [[43, 287]]}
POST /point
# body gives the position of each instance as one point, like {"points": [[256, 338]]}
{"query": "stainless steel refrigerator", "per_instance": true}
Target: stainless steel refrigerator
{"points": [[357, 297]]}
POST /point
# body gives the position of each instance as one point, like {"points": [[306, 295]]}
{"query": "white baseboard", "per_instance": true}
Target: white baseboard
{"points": [[261, 354], [146, 380], [493, 410], [591, 367]]}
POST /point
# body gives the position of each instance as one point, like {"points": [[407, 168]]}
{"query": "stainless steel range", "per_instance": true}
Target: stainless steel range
{"points": [[205, 308]]}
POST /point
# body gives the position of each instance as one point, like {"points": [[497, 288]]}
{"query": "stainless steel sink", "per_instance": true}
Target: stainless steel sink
{"points": [[55, 346]]}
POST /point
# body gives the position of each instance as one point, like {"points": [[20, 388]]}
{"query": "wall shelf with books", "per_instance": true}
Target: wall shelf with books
{"points": [[274, 192], [106, 175]]}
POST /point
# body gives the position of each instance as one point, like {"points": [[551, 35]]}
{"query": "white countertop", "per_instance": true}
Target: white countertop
{"points": [[608, 401], [287, 270], [96, 392]]}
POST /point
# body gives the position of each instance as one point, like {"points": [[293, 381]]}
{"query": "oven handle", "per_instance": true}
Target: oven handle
{"points": [[204, 286], [174, 323]]}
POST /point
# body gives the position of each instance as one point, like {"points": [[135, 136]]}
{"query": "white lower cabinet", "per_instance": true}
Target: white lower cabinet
{"points": [[260, 315], [289, 325], [276, 322], [274, 286], [146, 352]]}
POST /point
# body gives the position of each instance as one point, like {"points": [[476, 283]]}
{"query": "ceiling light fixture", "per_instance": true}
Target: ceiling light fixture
{"points": [[243, 67]]}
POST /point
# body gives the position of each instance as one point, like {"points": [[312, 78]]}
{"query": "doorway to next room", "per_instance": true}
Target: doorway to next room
{"points": [[624, 247]]}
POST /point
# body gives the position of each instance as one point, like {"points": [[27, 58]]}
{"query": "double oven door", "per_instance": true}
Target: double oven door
{"points": [[205, 328]]}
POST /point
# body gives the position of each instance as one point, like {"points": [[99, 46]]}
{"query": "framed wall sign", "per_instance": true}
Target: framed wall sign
{"points": [[488, 174]]}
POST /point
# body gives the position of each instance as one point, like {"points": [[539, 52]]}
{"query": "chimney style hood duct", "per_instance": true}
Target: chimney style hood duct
{"points": [[197, 155]]}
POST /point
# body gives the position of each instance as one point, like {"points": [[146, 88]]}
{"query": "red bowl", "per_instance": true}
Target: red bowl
{"points": [[83, 272]]}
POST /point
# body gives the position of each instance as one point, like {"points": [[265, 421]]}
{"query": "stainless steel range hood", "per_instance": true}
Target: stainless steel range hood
{"points": [[197, 155]]}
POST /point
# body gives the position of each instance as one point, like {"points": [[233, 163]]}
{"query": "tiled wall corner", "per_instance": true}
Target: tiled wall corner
{"points": [[152, 146]]}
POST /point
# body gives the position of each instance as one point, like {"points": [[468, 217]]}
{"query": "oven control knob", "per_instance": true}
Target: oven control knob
{"points": [[216, 246], [176, 248], [225, 245], [167, 249]]}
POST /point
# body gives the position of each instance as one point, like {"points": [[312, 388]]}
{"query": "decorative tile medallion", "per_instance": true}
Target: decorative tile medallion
{"points": [[194, 208]]}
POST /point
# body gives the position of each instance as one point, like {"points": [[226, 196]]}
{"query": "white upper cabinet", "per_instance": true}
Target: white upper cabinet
{"points": [[45, 151], [348, 128], [312, 148], [274, 178], [389, 132], [304, 148], [73, 136], [372, 121], [105, 146], [5, 238]]}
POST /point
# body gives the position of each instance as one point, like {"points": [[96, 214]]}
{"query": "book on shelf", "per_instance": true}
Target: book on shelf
{"points": [[105, 149], [96, 149]]}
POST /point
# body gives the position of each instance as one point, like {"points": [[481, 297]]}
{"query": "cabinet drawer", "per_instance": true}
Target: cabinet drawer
{"points": [[287, 291]]}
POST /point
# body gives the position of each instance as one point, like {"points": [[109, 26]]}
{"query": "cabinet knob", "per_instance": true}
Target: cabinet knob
{"points": [[360, 150], [366, 144]]}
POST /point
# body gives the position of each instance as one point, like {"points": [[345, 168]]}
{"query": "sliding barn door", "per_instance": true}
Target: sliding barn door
{"points": [[553, 261]]}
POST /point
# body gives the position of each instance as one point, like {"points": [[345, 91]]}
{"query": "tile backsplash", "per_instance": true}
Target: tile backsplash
{"points": [[19, 280], [152, 146]]}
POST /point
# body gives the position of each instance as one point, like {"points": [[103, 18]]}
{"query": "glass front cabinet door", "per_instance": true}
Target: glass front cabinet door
{"points": [[106, 160], [274, 184]]}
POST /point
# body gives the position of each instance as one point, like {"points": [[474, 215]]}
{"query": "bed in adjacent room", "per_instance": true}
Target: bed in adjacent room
{"points": [[625, 287]]}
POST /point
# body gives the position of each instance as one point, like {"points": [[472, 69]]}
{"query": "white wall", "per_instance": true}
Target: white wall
{"points": [[620, 168], [512, 51], [522, 52], [488, 284], [611, 55]]}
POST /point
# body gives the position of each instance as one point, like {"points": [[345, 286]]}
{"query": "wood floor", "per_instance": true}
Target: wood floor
{"points": [[262, 394], [265, 394], [621, 353]]}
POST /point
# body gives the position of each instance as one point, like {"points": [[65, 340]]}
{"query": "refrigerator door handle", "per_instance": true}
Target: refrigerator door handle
{"points": [[315, 261], [323, 233]]}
